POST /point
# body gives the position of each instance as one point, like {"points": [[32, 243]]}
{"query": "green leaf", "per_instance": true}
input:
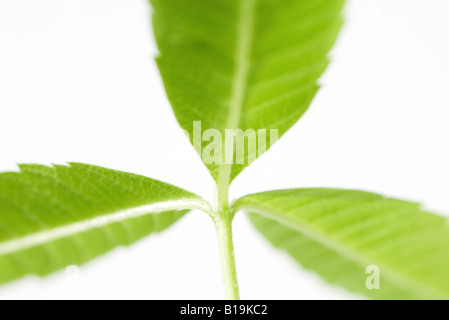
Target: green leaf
{"points": [[339, 233], [242, 64], [51, 217]]}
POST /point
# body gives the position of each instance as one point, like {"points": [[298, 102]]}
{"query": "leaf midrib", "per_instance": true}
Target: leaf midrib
{"points": [[240, 80], [47, 236]]}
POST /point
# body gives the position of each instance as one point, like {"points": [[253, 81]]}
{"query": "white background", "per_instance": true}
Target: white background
{"points": [[78, 83]]}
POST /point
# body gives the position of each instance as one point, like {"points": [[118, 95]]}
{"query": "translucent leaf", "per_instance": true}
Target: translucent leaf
{"points": [[242, 64]]}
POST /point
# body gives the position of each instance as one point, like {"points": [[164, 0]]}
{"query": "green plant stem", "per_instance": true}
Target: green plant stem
{"points": [[223, 225]]}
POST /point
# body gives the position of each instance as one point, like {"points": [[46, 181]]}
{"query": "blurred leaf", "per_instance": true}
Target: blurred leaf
{"points": [[339, 233]]}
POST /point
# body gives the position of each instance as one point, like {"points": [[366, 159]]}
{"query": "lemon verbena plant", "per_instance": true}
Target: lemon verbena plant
{"points": [[239, 69]]}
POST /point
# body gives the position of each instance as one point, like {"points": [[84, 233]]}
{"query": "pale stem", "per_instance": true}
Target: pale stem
{"points": [[223, 225]]}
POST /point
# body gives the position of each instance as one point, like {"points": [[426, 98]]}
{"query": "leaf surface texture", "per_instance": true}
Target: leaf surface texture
{"points": [[242, 64], [51, 217]]}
